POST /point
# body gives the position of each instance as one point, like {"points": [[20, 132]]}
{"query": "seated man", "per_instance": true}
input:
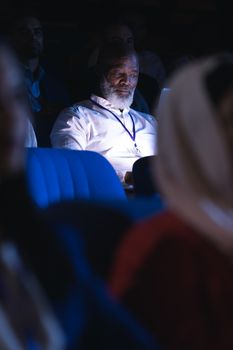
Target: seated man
{"points": [[105, 123], [47, 94]]}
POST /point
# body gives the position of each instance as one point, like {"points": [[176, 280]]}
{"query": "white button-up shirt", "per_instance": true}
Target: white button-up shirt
{"points": [[93, 125]]}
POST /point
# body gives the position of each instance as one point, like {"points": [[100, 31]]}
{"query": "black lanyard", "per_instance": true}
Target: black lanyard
{"points": [[132, 136]]}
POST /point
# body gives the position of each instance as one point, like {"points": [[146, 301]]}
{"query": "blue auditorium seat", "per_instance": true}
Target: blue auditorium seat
{"points": [[55, 174]]}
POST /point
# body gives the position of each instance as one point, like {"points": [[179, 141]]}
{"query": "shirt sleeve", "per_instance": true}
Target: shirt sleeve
{"points": [[70, 130], [31, 140]]}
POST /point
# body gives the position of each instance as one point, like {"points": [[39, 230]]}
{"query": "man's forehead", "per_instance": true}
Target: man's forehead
{"points": [[119, 31], [28, 22], [130, 60]]}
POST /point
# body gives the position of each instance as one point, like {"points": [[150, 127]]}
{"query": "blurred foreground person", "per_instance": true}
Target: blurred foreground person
{"points": [[178, 279], [14, 106], [27, 320], [49, 297]]}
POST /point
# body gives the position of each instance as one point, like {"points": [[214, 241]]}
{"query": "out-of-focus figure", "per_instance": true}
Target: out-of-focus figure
{"points": [[26, 317], [178, 279]]}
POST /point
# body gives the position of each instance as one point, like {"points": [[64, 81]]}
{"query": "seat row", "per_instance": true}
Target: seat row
{"points": [[55, 175]]}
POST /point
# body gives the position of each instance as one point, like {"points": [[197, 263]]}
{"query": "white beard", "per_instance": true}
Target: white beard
{"points": [[109, 94]]}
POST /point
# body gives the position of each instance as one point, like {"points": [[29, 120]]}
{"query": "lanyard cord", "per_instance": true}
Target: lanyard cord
{"points": [[132, 136]]}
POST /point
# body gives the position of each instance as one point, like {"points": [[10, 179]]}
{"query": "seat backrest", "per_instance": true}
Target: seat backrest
{"points": [[55, 174]]}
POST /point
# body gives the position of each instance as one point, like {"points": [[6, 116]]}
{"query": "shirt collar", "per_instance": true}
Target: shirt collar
{"points": [[39, 73], [106, 104]]}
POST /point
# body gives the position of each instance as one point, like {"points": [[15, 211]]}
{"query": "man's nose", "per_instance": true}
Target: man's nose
{"points": [[125, 80], [32, 34]]}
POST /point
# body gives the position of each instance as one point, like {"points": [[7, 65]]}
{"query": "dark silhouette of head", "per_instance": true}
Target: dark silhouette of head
{"points": [[26, 35]]}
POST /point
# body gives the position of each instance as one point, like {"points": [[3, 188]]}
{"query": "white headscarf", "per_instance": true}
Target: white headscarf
{"points": [[194, 166]]}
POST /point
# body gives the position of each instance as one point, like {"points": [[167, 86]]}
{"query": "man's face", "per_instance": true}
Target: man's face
{"points": [[120, 34], [28, 37], [120, 81]]}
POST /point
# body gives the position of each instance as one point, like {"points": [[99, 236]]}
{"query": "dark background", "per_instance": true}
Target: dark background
{"points": [[175, 27]]}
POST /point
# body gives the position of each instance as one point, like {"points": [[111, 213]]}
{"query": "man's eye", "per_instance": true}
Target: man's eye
{"points": [[38, 32], [118, 76], [115, 75], [130, 41], [116, 40]]}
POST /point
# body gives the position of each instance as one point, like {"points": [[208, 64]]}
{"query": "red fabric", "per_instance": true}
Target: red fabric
{"points": [[176, 283]]}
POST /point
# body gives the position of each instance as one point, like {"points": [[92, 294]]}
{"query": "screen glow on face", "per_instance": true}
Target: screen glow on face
{"points": [[119, 83], [123, 75]]}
